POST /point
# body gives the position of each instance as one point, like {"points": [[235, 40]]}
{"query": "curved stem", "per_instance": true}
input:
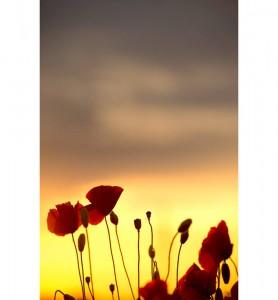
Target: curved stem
{"points": [[78, 264], [152, 262], [119, 244], [178, 261], [234, 266], [83, 280], [90, 265], [112, 295], [57, 292], [169, 256], [111, 251], [138, 265]]}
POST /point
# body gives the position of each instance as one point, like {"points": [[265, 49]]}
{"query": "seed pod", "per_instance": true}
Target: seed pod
{"points": [[137, 224], [88, 279], [114, 218], [112, 288], [151, 252], [68, 297], [225, 270], [81, 242], [184, 226], [84, 216], [218, 294], [184, 237], [148, 214]]}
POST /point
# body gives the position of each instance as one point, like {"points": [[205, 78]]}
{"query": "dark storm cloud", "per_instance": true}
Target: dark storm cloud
{"points": [[137, 86]]}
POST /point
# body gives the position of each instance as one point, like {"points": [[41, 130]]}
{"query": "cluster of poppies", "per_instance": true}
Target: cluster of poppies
{"points": [[196, 284]]}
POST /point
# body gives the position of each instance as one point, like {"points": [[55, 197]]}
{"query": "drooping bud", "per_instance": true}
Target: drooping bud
{"points": [[68, 297], [184, 226], [88, 279], [151, 252], [112, 288], [81, 242], [114, 218], [218, 294], [225, 270], [148, 214], [184, 237], [137, 224], [156, 274], [84, 216]]}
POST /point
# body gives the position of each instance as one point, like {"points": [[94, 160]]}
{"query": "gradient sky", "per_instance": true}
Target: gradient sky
{"points": [[141, 94]]}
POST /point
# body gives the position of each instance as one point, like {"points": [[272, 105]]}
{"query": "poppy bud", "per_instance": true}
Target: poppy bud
{"points": [[68, 297], [156, 275], [225, 270], [114, 218], [88, 279], [137, 224], [81, 242], [218, 294], [84, 216], [184, 237], [151, 251], [184, 226], [112, 288], [148, 214]]}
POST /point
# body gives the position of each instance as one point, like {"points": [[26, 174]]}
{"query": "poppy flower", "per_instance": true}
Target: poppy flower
{"points": [[216, 247], [103, 199], [196, 284], [64, 219], [155, 290]]}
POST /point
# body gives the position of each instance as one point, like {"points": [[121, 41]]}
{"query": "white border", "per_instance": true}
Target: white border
{"points": [[19, 55], [258, 149]]}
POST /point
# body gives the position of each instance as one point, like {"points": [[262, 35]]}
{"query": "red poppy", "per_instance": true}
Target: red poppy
{"points": [[216, 247], [103, 199], [95, 217], [64, 219], [156, 290], [196, 284]]}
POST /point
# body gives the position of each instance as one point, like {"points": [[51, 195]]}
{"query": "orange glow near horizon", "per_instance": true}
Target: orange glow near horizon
{"points": [[207, 197]]}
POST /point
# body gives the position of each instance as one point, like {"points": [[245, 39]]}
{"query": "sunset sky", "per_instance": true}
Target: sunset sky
{"points": [[142, 95]]}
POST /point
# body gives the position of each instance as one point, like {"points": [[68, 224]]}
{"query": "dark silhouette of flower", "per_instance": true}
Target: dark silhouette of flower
{"points": [[104, 198], [216, 247], [64, 219], [196, 284], [154, 290]]}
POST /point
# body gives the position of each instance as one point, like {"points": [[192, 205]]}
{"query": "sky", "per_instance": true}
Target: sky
{"points": [[142, 95]]}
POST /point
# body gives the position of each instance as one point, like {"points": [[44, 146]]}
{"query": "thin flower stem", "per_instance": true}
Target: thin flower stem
{"points": [[57, 292], [234, 266], [152, 261], [90, 291], [112, 295], [78, 264], [90, 264], [178, 261], [138, 266], [83, 280], [119, 244], [218, 279], [169, 256], [111, 251]]}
